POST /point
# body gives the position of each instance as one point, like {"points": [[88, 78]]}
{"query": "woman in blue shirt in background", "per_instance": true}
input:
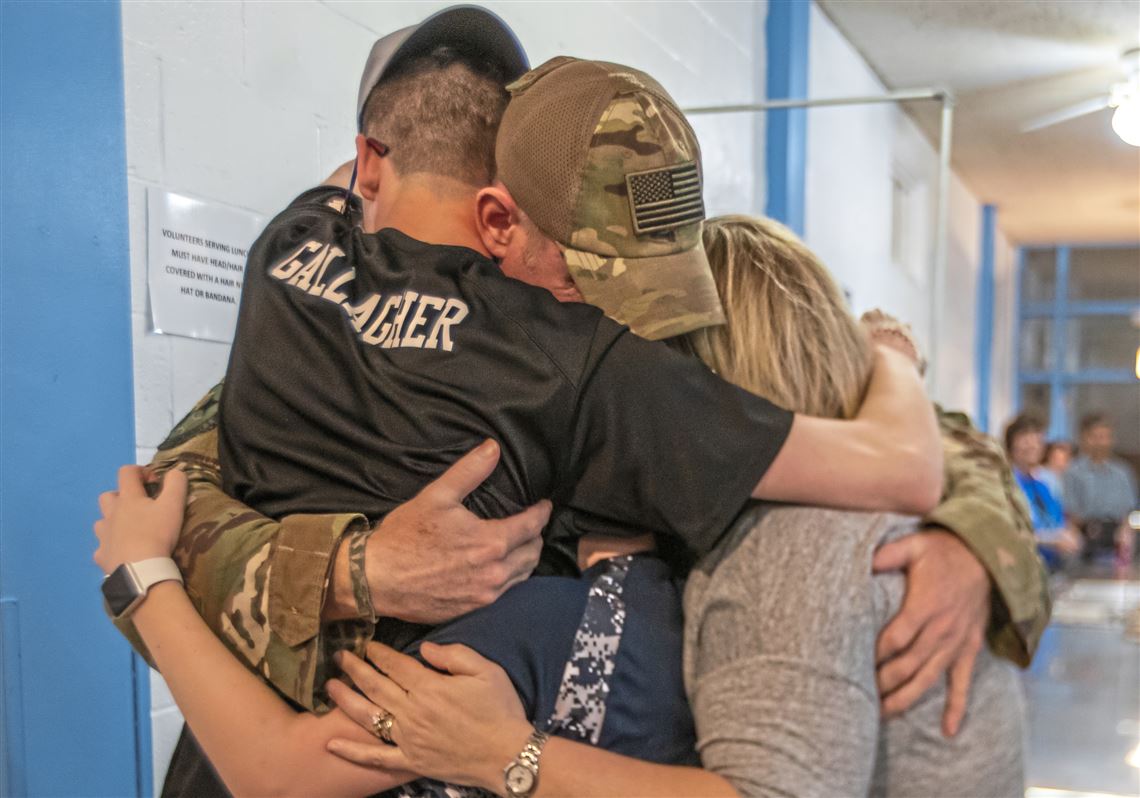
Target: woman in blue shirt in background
{"points": [[1056, 539]]}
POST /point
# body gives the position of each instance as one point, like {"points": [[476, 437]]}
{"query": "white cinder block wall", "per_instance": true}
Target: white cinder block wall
{"points": [[853, 155], [246, 104]]}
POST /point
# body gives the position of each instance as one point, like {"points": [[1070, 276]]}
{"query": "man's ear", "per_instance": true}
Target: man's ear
{"points": [[367, 169], [496, 218]]}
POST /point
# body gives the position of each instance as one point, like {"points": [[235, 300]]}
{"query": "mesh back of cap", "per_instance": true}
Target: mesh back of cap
{"points": [[544, 141]]}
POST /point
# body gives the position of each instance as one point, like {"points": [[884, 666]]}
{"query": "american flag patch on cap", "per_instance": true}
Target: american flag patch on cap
{"points": [[662, 199]]}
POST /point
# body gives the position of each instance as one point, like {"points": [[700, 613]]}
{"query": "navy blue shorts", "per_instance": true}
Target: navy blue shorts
{"points": [[596, 659]]}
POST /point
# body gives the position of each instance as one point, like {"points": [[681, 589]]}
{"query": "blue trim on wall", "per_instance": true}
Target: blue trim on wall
{"points": [[1058, 406], [1018, 288], [984, 334], [1079, 245], [68, 422], [787, 38], [1082, 377], [1082, 307]]}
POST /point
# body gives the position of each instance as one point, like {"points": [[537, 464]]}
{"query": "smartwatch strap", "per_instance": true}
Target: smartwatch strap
{"points": [[157, 569]]}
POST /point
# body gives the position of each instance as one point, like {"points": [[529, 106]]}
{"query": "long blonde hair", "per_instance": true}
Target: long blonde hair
{"points": [[790, 336]]}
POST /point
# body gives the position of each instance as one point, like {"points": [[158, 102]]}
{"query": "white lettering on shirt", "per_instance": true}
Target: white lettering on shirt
{"points": [[402, 320]]}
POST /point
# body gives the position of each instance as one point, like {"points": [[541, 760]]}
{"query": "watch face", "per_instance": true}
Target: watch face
{"points": [[520, 779], [119, 590]]}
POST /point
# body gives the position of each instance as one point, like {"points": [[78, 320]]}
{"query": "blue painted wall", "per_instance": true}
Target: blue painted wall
{"points": [[984, 334], [67, 397], [787, 33]]}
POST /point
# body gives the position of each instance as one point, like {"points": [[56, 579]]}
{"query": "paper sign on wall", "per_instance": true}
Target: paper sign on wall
{"points": [[196, 255]]}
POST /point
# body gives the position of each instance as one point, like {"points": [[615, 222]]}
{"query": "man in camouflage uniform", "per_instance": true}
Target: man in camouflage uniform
{"points": [[984, 506], [267, 588]]}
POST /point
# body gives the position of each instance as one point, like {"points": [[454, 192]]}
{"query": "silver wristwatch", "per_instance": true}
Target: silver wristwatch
{"points": [[521, 775]]}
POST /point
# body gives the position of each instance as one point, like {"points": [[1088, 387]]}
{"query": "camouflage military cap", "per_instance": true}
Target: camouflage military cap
{"points": [[601, 159]]}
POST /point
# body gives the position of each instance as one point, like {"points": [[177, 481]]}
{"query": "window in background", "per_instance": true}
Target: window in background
{"points": [[1100, 342], [1104, 274], [1036, 345], [910, 213], [1035, 399], [1078, 339], [1039, 275]]}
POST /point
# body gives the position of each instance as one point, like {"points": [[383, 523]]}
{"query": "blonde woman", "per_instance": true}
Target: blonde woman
{"points": [[780, 709], [781, 620]]}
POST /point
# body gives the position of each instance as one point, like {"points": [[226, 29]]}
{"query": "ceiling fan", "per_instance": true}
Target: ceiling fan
{"points": [[1124, 96]]}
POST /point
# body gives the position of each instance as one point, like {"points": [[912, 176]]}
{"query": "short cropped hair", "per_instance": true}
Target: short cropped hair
{"points": [[1094, 420], [1023, 424], [439, 114]]}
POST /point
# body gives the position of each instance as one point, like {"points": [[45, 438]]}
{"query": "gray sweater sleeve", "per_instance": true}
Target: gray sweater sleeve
{"points": [[780, 630], [779, 651]]}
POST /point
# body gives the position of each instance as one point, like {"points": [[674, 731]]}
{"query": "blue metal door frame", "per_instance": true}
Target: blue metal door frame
{"points": [[71, 715]]}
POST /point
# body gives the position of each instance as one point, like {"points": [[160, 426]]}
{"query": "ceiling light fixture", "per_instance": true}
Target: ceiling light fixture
{"points": [[1126, 100], [1126, 120]]}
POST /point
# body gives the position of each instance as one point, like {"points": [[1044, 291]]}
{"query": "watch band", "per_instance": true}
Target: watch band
{"points": [[157, 569], [126, 587], [527, 760]]}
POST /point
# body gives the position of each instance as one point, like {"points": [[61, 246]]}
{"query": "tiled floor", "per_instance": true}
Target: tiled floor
{"points": [[1084, 696]]}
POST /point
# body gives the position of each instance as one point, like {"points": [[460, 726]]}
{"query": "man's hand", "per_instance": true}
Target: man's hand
{"points": [[941, 627], [431, 559]]}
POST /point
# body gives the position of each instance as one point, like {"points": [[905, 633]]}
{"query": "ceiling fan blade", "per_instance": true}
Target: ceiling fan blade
{"points": [[1065, 114]]}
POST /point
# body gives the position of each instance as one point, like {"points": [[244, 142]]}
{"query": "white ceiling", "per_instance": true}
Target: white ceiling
{"points": [[1009, 61]]}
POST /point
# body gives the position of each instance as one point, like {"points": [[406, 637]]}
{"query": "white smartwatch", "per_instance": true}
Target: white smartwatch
{"points": [[126, 587], [521, 775]]}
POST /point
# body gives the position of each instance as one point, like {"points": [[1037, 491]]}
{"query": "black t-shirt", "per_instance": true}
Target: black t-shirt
{"points": [[365, 364]]}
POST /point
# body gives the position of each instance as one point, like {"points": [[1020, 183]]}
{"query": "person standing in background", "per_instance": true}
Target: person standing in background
{"points": [[1056, 539], [1100, 490]]}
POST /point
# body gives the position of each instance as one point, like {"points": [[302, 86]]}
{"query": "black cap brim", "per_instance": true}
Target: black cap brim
{"points": [[467, 28]]}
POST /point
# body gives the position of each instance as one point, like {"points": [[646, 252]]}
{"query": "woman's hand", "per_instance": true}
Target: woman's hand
{"points": [[135, 527], [463, 726]]}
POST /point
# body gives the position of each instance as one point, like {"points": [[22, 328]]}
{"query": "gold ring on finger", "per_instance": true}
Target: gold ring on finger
{"points": [[382, 722]]}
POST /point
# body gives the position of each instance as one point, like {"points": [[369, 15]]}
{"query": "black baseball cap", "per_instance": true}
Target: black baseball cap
{"points": [[469, 29]]}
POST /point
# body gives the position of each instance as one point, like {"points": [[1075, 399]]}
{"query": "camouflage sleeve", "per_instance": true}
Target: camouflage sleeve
{"points": [[259, 584], [983, 506]]}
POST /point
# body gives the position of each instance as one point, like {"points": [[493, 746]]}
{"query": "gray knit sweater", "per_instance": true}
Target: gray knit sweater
{"points": [[780, 629]]}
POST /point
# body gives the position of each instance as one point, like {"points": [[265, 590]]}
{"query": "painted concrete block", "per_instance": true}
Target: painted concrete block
{"points": [[136, 216], [308, 60], [336, 146], [142, 76], [153, 418], [380, 19], [196, 367], [728, 144], [223, 142], [207, 34]]}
